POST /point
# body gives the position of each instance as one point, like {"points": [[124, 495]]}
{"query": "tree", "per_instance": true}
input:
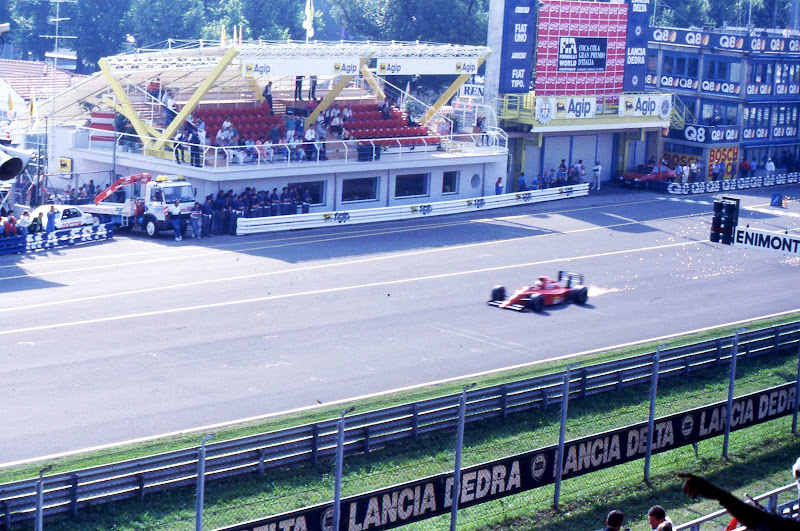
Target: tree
{"points": [[100, 31], [30, 18], [154, 21]]}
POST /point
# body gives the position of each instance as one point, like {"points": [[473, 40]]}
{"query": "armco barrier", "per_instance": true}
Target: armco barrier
{"points": [[58, 238], [65, 493], [372, 215], [728, 185]]}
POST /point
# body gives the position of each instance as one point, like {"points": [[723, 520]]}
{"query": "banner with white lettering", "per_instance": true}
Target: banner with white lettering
{"points": [[421, 66], [636, 45], [771, 241], [309, 66], [516, 55], [646, 105], [729, 185], [42, 240], [425, 498]]}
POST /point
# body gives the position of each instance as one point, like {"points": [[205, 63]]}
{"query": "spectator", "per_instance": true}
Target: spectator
{"points": [[310, 137], [686, 170], [36, 224], [10, 226], [748, 515], [290, 127], [745, 168], [521, 183], [658, 519], [180, 139], [298, 88], [498, 186], [753, 167], [286, 201], [536, 183], [336, 125], [563, 165], [274, 202], [582, 172], [175, 217], [596, 175], [715, 170], [312, 88], [23, 223], [194, 148], [51, 220], [614, 521], [227, 122], [693, 171], [770, 167], [307, 204], [208, 212], [196, 218], [321, 138], [90, 189], [275, 134], [347, 114], [268, 96]]}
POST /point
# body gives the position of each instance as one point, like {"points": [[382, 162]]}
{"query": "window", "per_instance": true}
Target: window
{"points": [[734, 72], [450, 182], [315, 188], [680, 66], [667, 66], [411, 185], [692, 70], [768, 73], [730, 115], [363, 189], [652, 62]]}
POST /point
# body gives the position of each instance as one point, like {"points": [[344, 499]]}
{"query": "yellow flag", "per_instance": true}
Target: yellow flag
{"points": [[34, 111], [10, 103]]}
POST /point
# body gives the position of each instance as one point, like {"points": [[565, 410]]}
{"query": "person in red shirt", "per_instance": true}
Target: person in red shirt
{"points": [[10, 226]]}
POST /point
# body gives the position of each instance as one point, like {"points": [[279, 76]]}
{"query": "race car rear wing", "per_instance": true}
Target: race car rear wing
{"points": [[570, 280]]}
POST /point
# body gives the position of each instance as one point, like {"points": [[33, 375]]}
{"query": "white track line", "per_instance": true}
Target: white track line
{"points": [[213, 427]]}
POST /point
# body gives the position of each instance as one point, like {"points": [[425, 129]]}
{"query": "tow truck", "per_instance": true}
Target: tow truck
{"points": [[139, 202]]}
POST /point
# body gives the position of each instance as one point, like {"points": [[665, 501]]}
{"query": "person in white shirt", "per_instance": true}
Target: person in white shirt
{"points": [[596, 175], [770, 167]]}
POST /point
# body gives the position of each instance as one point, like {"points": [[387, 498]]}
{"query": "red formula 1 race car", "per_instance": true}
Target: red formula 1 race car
{"points": [[544, 292]]}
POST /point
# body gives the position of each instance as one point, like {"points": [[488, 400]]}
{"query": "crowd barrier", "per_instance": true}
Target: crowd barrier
{"points": [[58, 238], [372, 215], [66, 492], [728, 185]]}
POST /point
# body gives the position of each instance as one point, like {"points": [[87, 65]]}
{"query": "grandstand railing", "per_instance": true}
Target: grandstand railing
{"points": [[66, 492], [790, 508], [244, 157]]}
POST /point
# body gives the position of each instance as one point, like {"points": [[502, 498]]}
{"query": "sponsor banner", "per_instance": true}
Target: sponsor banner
{"points": [[783, 89], [729, 185], [772, 241], [676, 82], [759, 89], [425, 498], [755, 133], [580, 48], [651, 80], [706, 135], [471, 91], [582, 54], [729, 156], [58, 238], [636, 45], [421, 66], [722, 41], [717, 87], [516, 57], [646, 105], [309, 66], [684, 159], [575, 108]]}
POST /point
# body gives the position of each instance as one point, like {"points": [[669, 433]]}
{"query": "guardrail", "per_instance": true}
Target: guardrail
{"points": [[372, 215], [728, 185], [65, 493], [58, 238], [787, 509]]}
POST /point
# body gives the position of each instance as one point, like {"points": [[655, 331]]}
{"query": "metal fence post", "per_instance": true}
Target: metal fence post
{"points": [[337, 485], [40, 497], [201, 483], [796, 395], [462, 413], [562, 434], [651, 418], [728, 412]]}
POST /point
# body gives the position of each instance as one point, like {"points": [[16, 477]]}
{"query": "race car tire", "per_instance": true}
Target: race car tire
{"points": [[536, 303], [498, 294], [580, 296], [97, 219]]}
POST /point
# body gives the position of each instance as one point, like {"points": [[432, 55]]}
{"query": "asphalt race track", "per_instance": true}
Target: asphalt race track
{"points": [[133, 338]]}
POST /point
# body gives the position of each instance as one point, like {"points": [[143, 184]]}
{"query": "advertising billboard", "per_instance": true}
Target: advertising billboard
{"points": [[636, 45], [516, 55], [580, 48]]}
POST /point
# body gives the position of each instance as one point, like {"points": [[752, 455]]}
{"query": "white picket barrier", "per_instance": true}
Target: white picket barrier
{"points": [[373, 215]]}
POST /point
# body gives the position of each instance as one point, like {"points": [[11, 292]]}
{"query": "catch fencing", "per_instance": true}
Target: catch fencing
{"points": [[66, 493]]}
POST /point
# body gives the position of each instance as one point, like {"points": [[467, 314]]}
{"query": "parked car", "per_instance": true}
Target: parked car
{"points": [[67, 216], [645, 174]]}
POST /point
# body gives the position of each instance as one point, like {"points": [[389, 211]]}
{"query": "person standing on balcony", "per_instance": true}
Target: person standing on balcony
{"points": [[312, 88], [268, 96]]}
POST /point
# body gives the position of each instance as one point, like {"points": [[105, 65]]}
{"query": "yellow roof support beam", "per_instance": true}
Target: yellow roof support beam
{"points": [[372, 81], [449, 93], [124, 105], [201, 91], [331, 96]]}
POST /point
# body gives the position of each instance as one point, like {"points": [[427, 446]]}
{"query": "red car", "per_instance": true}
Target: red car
{"points": [[644, 174], [544, 292]]}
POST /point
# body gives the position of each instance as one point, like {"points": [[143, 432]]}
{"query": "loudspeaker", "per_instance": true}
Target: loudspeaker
{"points": [[10, 166]]}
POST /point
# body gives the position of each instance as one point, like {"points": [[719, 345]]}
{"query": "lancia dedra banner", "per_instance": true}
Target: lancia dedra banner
{"points": [[516, 55], [310, 66], [416, 66], [636, 45], [580, 48]]}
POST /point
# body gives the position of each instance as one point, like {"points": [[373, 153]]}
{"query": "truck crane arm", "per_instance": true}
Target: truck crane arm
{"points": [[119, 183]]}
